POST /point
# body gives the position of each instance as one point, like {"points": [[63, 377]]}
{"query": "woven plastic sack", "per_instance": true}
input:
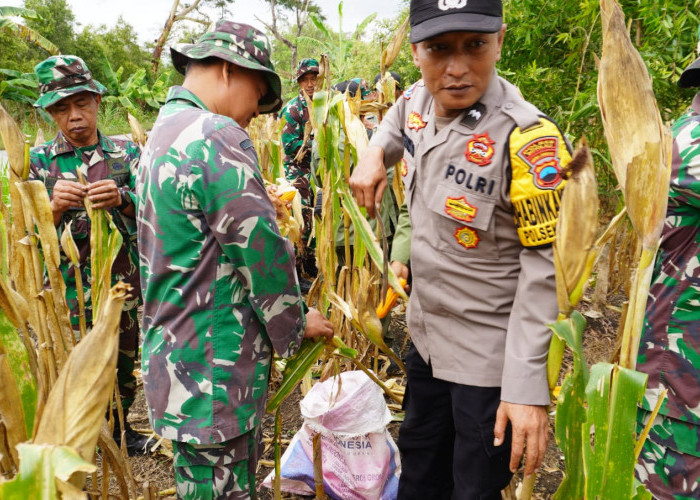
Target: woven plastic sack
{"points": [[360, 459]]}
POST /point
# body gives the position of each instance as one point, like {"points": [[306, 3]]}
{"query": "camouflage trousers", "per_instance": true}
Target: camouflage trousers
{"points": [[669, 474], [217, 471], [128, 343]]}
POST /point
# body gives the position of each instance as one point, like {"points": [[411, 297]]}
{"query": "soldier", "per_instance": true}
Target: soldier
{"points": [[669, 464], [219, 286], [476, 156], [297, 158], [72, 98]]}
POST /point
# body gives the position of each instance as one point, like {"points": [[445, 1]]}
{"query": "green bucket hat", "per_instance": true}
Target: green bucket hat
{"points": [[63, 76], [241, 45], [307, 66]]}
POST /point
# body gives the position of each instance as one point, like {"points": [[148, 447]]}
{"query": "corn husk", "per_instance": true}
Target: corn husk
{"points": [[392, 51], [640, 148], [77, 403], [138, 133]]}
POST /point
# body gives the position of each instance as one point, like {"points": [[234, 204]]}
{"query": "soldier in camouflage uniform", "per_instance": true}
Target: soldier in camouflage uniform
{"points": [[219, 286], [72, 97], [669, 352], [297, 154]]}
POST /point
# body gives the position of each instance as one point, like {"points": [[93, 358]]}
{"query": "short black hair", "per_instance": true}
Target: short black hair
{"points": [[202, 63], [395, 76]]}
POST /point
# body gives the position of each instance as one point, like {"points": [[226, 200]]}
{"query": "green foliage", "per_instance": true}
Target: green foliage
{"points": [[135, 91], [548, 53], [55, 21], [19, 87], [21, 31]]}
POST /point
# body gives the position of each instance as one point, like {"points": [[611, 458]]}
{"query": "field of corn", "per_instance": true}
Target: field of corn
{"points": [[55, 389]]}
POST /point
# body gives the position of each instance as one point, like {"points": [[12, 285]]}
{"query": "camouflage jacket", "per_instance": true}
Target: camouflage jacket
{"points": [[109, 159], [670, 345], [218, 280], [296, 116]]}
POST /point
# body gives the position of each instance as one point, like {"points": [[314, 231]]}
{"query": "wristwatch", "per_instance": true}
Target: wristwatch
{"points": [[126, 199]]}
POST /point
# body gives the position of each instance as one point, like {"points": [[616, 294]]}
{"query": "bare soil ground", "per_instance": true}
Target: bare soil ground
{"points": [[156, 469]]}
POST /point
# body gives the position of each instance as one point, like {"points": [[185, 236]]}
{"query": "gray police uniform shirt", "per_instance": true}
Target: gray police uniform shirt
{"points": [[483, 196]]}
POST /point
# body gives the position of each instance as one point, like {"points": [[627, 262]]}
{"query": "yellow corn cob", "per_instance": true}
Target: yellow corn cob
{"points": [[288, 195], [389, 301]]}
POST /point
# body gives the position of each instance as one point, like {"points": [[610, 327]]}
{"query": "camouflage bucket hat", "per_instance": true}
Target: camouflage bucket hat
{"points": [[241, 45], [307, 66], [63, 76]]}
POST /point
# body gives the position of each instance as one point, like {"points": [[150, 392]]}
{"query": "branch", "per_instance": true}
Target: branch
{"points": [[277, 34], [183, 14]]}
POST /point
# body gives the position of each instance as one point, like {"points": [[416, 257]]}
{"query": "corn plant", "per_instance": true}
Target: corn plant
{"points": [[596, 409], [55, 390]]}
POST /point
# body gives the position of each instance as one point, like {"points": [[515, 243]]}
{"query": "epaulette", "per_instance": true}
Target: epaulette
{"points": [[537, 155]]}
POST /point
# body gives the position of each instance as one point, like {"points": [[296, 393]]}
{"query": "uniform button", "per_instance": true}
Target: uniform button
{"points": [[509, 105]]}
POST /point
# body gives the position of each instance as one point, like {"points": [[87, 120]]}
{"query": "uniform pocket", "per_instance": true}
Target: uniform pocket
{"points": [[464, 222]]}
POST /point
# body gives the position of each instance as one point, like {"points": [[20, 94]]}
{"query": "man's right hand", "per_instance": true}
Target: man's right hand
{"points": [[368, 181], [317, 325], [66, 194]]}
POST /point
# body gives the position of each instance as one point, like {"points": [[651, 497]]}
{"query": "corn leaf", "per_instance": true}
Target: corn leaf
{"points": [[571, 412], [364, 232], [42, 469], [609, 432], [295, 369], [394, 48], [76, 405], [22, 377]]}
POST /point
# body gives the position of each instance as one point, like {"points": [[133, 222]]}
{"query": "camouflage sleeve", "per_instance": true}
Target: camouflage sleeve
{"points": [[401, 244], [230, 190], [685, 166], [293, 132], [133, 154]]}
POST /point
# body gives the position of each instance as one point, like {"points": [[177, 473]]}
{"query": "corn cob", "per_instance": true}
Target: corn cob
{"points": [[288, 196], [389, 301]]}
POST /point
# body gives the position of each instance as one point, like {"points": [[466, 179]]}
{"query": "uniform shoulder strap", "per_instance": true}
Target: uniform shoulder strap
{"points": [[537, 155]]}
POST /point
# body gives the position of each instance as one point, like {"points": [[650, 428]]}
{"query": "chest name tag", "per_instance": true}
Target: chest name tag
{"points": [[537, 156]]}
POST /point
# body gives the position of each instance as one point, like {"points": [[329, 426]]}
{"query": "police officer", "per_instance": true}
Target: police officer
{"points": [[482, 173], [669, 463]]}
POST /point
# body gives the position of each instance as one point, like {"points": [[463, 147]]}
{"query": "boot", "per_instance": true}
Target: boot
{"points": [[136, 443]]}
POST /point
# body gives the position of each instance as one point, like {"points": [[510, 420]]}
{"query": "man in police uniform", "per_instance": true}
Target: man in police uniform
{"points": [[482, 172], [72, 98], [297, 157]]}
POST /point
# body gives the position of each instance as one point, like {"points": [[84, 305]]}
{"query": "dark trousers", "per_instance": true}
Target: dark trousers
{"points": [[446, 439]]}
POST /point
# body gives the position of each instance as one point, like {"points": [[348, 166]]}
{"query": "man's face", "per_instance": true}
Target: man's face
{"points": [[307, 83], [457, 67], [247, 87], [76, 116]]}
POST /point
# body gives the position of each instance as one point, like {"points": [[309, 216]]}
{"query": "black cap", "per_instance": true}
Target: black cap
{"points": [[691, 75], [394, 75], [434, 17]]}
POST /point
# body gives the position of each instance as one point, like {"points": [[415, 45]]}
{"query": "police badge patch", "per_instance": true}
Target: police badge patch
{"points": [[542, 155], [467, 237], [415, 121], [460, 209], [480, 149]]}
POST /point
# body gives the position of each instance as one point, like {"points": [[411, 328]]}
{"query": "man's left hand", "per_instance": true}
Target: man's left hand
{"points": [[530, 429], [104, 194]]}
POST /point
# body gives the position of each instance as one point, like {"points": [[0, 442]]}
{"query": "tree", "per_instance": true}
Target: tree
{"points": [[301, 9], [182, 13], [55, 20], [8, 24]]}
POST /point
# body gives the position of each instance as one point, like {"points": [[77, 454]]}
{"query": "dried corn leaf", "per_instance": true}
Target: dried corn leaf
{"points": [[76, 405], [37, 208], [13, 139], [394, 48], [639, 145]]}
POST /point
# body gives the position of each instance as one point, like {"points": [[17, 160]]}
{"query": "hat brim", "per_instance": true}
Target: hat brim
{"points": [[310, 70], [270, 103], [690, 76], [459, 21], [50, 98]]}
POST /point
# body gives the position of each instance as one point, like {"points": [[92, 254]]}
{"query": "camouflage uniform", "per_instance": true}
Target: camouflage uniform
{"points": [[108, 159], [219, 286], [669, 350], [298, 172]]}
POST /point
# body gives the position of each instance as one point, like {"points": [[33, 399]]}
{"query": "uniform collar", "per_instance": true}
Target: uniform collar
{"points": [[178, 93], [60, 145]]}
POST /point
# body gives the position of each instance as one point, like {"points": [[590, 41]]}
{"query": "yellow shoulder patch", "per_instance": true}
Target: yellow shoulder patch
{"points": [[537, 156]]}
